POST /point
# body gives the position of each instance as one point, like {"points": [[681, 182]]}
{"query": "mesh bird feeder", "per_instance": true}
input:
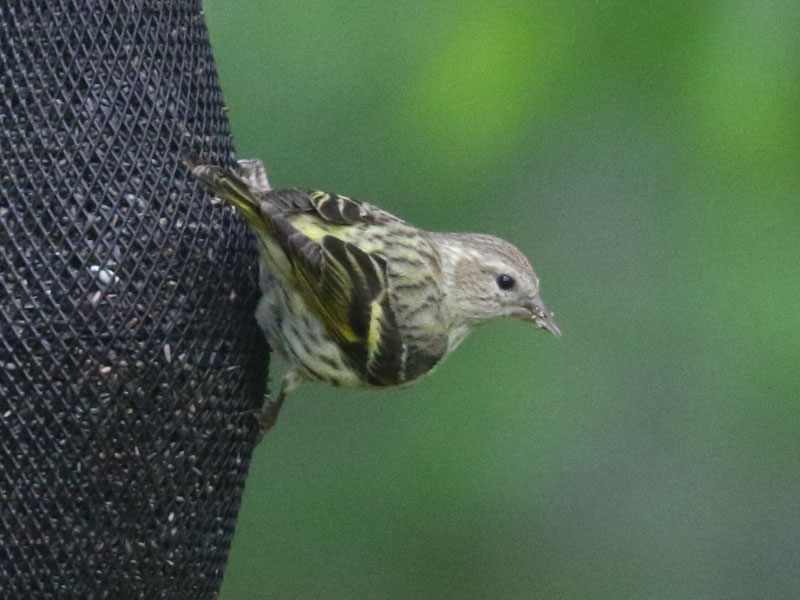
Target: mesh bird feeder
{"points": [[128, 351]]}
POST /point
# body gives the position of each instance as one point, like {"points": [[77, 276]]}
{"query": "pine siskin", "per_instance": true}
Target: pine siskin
{"points": [[353, 295]]}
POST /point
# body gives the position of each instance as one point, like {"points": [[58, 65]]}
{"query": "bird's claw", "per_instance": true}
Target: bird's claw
{"points": [[267, 415]]}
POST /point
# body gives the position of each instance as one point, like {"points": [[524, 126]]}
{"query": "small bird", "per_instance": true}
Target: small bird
{"points": [[355, 296]]}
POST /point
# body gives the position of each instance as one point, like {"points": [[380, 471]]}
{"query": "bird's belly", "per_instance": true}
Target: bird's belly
{"points": [[299, 336]]}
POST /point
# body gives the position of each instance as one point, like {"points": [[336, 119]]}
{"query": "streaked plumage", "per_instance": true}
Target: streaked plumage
{"points": [[353, 295]]}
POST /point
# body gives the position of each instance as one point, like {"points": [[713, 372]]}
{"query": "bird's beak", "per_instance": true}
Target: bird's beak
{"points": [[543, 317]]}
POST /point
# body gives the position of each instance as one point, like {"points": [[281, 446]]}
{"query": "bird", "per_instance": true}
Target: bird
{"points": [[353, 295]]}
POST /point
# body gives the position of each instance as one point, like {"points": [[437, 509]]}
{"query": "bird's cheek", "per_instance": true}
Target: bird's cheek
{"points": [[522, 313]]}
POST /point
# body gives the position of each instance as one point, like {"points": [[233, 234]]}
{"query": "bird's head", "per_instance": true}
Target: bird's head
{"points": [[488, 278]]}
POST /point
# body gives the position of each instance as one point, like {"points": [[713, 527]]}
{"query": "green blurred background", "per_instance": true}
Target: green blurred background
{"points": [[646, 156]]}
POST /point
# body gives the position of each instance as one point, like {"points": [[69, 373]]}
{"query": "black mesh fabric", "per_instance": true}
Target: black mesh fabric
{"points": [[129, 356]]}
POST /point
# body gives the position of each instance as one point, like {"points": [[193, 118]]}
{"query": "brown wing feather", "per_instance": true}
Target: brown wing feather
{"points": [[345, 286], [333, 208]]}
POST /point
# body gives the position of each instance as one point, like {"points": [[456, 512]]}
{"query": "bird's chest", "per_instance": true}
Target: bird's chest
{"points": [[299, 336]]}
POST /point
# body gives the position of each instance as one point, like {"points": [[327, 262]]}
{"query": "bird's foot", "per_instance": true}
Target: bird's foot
{"points": [[267, 415], [254, 173]]}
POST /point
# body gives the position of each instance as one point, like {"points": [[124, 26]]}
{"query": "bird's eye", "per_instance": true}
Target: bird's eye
{"points": [[505, 282]]}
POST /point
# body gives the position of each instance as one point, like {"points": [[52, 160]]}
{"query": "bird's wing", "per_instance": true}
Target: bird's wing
{"points": [[346, 286]]}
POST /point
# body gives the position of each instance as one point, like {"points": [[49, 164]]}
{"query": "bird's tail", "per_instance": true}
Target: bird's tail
{"points": [[227, 185]]}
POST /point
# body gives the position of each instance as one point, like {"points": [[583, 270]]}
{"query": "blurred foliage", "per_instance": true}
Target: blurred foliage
{"points": [[646, 156]]}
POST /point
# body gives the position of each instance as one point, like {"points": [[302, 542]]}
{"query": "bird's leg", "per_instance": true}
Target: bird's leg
{"points": [[254, 173], [267, 415]]}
